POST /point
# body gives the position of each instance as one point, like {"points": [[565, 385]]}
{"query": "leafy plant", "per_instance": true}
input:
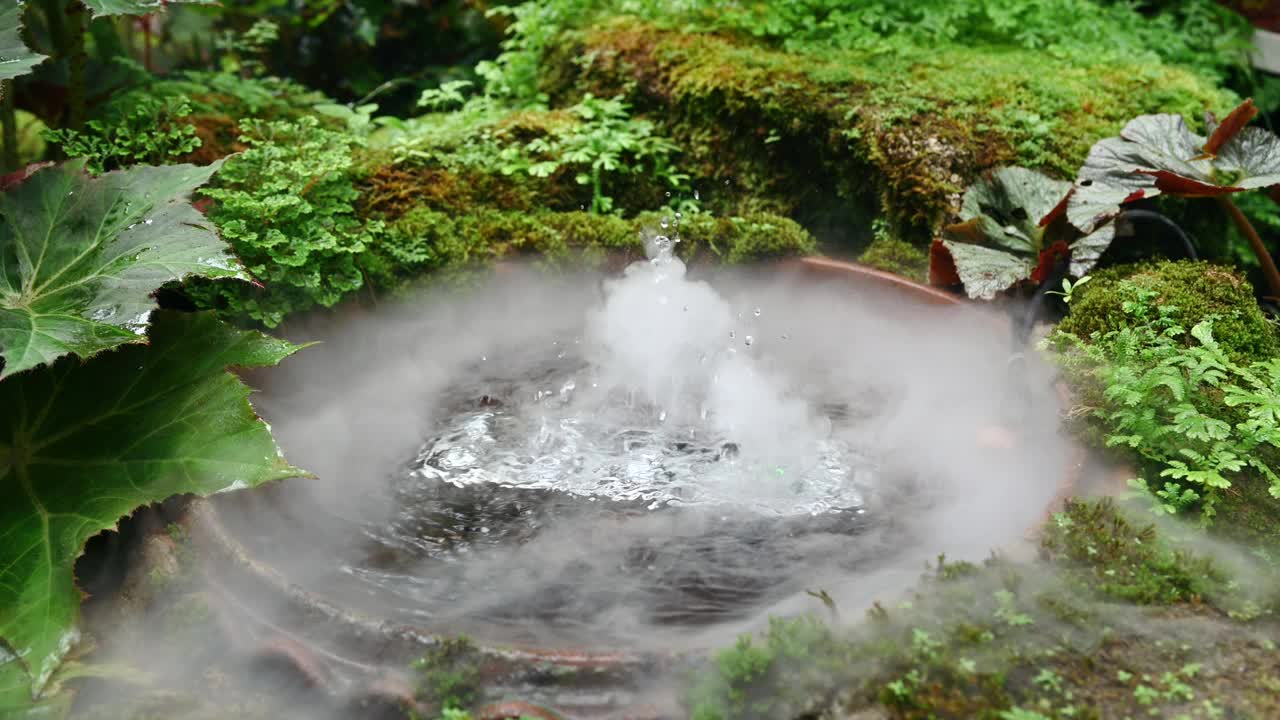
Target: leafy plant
{"points": [[1197, 417], [771, 678], [285, 205], [80, 257], [1069, 288], [446, 96], [606, 140], [597, 140], [84, 443], [1157, 154], [1012, 230], [18, 59], [151, 132], [242, 51], [449, 674]]}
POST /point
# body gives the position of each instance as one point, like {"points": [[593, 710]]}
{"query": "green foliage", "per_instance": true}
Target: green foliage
{"points": [[770, 679], [596, 142], [533, 28], [1197, 33], [1069, 289], [131, 7], [897, 256], [1124, 560], [84, 443], [80, 257], [605, 141], [15, 57], [448, 675], [151, 132], [428, 240], [242, 51], [1011, 229], [1197, 289], [286, 207], [1193, 415]]}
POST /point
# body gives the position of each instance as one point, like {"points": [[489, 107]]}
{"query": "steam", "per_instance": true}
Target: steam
{"points": [[653, 461], [642, 442]]}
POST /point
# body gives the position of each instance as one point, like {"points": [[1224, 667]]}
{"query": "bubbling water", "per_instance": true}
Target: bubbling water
{"points": [[584, 461], [654, 406]]}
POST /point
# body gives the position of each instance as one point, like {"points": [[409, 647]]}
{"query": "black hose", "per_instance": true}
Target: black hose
{"points": [[1188, 245]]}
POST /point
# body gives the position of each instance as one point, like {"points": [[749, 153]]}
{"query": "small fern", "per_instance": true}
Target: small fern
{"points": [[1197, 419]]}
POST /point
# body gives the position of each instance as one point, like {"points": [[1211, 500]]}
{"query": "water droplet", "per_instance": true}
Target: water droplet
{"points": [[786, 336], [484, 358], [748, 340], [696, 196], [732, 334], [484, 530], [756, 312], [148, 221], [664, 222], [668, 193], [662, 416]]}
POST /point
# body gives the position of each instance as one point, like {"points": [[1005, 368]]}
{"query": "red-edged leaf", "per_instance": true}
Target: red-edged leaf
{"points": [[1176, 184], [984, 271], [1086, 251], [1251, 159], [970, 231], [942, 269], [1227, 129], [1058, 210], [1048, 258], [1007, 205], [17, 176]]}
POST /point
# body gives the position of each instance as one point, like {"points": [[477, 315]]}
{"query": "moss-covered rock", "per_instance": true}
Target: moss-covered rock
{"points": [[897, 256], [900, 132], [1197, 289], [426, 239]]}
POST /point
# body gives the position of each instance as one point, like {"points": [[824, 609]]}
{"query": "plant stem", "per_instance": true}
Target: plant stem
{"points": [[1255, 241], [9, 160], [77, 62]]}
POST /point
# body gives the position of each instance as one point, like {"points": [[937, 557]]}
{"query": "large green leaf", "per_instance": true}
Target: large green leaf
{"points": [[15, 694], [83, 443], [80, 256], [15, 58], [136, 7]]}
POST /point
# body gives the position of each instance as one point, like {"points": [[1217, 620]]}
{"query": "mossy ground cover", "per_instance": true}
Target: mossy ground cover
{"points": [[897, 134], [1118, 620], [1187, 293]]}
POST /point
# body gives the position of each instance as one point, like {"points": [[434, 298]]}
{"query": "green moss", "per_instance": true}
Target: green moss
{"points": [[773, 677], [449, 674], [1124, 560], [897, 256], [426, 239], [1197, 289], [909, 128]]}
